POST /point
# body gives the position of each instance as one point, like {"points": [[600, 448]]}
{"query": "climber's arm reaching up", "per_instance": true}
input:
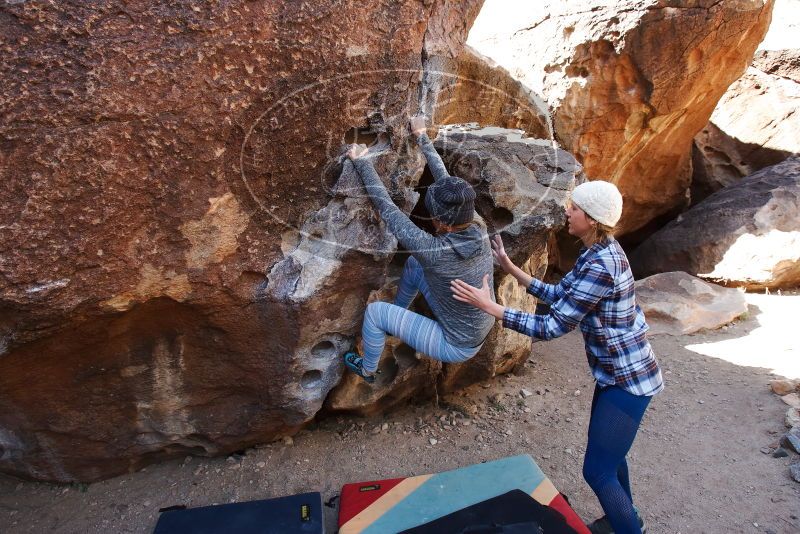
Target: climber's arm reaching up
{"points": [[407, 233], [435, 163]]}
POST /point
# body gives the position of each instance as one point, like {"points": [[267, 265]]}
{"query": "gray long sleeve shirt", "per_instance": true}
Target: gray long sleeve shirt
{"points": [[466, 255]]}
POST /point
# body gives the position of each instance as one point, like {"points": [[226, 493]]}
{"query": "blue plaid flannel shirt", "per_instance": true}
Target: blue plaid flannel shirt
{"points": [[598, 295]]}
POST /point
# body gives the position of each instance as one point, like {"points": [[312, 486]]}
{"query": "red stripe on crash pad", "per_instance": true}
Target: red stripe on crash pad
{"points": [[560, 505], [358, 496]]}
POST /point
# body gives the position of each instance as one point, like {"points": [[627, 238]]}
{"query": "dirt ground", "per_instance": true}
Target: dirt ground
{"points": [[696, 465]]}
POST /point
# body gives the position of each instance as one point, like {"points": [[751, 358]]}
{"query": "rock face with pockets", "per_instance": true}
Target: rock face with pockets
{"points": [[747, 234], [178, 272], [629, 83], [755, 124]]}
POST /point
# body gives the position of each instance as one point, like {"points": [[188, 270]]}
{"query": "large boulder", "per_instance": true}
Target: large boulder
{"points": [[486, 93], [629, 83], [522, 187], [784, 63], [747, 234], [755, 124], [678, 303], [178, 273]]}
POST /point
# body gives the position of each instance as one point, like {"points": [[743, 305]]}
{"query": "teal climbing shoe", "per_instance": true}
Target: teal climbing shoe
{"points": [[355, 363]]}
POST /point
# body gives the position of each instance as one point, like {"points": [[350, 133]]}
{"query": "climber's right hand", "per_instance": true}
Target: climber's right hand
{"points": [[417, 125], [357, 151], [500, 256]]}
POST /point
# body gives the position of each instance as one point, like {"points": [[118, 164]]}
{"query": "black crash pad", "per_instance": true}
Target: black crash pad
{"points": [[297, 513], [514, 512]]}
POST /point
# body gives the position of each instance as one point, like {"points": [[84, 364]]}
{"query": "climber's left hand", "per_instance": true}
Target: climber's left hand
{"points": [[357, 151]]}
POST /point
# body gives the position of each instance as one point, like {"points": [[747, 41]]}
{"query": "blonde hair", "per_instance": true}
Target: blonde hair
{"points": [[599, 232]]}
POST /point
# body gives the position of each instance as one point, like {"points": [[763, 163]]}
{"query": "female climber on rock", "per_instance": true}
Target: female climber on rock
{"points": [[459, 249], [598, 296]]}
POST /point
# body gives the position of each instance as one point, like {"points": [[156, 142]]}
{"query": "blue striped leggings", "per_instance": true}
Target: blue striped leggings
{"points": [[422, 334]]}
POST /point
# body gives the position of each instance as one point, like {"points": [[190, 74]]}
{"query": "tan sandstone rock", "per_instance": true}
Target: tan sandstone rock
{"points": [[792, 399], [170, 276], [784, 387], [747, 234], [486, 93], [679, 303], [755, 124], [629, 83]]}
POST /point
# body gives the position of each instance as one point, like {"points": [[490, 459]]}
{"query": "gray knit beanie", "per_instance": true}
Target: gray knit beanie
{"points": [[451, 201]]}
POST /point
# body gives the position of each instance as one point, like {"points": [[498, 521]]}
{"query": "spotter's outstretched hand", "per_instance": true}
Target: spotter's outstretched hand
{"points": [[499, 253], [479, 297]]}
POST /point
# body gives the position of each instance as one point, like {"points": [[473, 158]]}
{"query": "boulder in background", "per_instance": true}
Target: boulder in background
{"points": [[747, 234], [678, 303]]}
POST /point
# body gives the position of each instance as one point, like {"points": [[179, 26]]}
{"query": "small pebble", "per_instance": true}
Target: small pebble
{"points": [[780, 452], [288, 441], [577, 393], [433, 441]]}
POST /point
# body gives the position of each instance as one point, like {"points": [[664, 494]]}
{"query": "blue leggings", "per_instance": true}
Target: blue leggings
{"points": [[423, 334], [615, 419]]}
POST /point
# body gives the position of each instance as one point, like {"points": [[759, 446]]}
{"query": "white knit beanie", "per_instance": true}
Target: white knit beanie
{"points": [[600, 200]]}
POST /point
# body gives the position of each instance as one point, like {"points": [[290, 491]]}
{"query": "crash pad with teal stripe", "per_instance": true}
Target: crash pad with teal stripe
{"points": [[389, 506], [453, 490]]}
